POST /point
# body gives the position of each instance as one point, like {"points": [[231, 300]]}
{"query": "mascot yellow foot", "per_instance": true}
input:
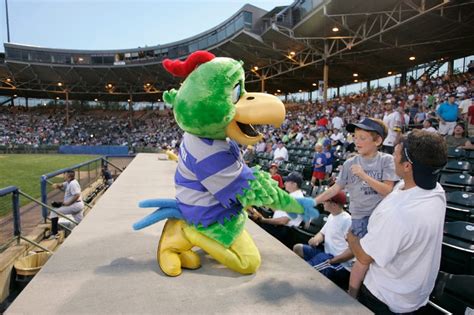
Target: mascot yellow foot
{"points": [[178, 238], [174, 249]]}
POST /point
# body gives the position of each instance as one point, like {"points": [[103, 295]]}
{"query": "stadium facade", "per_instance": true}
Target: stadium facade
{"points": [[285, 50]]}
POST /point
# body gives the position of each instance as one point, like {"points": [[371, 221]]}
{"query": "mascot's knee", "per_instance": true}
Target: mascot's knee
{"points": [[249, 265], [254, 265]]}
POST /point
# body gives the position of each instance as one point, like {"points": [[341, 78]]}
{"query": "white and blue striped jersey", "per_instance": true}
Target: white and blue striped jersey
{"points": [[209, 176]]}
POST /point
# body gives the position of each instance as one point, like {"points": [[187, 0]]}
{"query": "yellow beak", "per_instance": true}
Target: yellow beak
{"points": [[254, 109]]}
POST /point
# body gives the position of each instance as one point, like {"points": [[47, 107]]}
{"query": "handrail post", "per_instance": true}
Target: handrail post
{"points": [[44, 197], [16, 213]]}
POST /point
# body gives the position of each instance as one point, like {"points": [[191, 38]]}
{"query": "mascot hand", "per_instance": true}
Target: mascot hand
{"points": [[310, 212], [167, 208]]}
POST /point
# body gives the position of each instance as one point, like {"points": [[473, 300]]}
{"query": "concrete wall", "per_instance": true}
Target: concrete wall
{"points": [[105, 267]]}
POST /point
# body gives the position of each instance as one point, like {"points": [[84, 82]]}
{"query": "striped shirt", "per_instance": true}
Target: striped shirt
{"points": [[209, 176]]}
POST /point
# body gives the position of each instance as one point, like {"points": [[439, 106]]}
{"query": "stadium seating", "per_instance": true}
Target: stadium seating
{"points": [[302, 234], [457, 181], [455, 153], [460, 206], [457, 166], [458, 248], [454, 293]]}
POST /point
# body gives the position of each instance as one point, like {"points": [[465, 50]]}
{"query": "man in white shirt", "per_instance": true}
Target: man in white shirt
{"points": [[405, 231], [337, 138], [337, 122], [72, 203], [464, 105], [281, 153], [394, 122]]}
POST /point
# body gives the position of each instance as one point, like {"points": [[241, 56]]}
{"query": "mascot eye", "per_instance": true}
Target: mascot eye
{"points": [[236, 93]]}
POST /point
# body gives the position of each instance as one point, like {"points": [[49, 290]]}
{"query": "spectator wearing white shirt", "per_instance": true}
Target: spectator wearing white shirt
{"points": [[403, 267], [337, 138], [337, 122], [464, 105], [280, 154], [428, 126]]}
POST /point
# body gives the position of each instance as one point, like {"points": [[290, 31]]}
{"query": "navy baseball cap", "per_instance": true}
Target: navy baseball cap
{"points": [[368, 125], [294, 177]]}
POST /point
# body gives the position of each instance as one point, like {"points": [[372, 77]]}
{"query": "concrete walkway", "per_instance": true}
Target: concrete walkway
{"points": [[105, 267]]}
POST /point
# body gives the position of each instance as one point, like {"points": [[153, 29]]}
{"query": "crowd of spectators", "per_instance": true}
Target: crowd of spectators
{"points": [[47, 126], [442, 105], [416, 102]]}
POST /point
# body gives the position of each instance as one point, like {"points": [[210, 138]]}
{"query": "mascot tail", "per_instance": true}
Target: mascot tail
{"points": [[167, 208]]}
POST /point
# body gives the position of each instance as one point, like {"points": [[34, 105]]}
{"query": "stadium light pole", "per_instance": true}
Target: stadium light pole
{"points": [[8, 24]]}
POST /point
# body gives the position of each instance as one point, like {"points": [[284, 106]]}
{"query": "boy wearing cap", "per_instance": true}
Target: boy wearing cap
{"points": [[368, 178], [333, 262], [404, 266]]}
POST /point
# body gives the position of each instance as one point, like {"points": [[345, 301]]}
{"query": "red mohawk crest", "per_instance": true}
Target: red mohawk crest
{"points": [[180, 68]]}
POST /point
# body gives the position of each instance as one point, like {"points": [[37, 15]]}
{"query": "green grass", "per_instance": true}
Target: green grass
{"points": [[25, 170]]}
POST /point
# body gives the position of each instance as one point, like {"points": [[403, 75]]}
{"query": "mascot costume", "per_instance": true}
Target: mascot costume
{"points": [[214, 186]]}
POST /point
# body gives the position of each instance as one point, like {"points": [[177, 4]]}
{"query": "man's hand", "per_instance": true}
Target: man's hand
{"points": [[254, 214], [314, 242]]}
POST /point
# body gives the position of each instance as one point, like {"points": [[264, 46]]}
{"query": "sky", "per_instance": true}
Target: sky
{"points": [[114, 24]]}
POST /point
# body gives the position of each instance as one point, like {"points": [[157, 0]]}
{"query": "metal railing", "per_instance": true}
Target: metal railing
{"points": [[86, 173], [11, 223], [15, 208]]}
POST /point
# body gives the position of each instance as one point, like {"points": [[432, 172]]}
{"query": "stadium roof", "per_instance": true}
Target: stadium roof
{"points": [[285, 47]]}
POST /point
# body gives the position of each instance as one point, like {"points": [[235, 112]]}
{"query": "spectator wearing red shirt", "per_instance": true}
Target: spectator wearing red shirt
{"points": [[274, 172], [322, 122]]}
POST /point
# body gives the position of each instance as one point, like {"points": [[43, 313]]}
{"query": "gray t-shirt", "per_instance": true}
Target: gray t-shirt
{"points": [[72, 188], [363, 198]]}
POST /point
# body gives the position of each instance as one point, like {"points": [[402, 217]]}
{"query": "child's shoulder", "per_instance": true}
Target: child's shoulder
{"points": [[350, 160], [384, 156]]}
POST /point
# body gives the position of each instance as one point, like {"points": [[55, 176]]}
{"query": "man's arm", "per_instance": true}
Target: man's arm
{"points": [[357, 250], [274, 221], [316, 240], [72, 200], [328, 194], [467, 145], [58, 186], [343, 257]]}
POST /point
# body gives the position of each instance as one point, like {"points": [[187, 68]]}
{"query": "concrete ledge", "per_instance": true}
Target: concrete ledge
{"points": [[105, 267]]}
